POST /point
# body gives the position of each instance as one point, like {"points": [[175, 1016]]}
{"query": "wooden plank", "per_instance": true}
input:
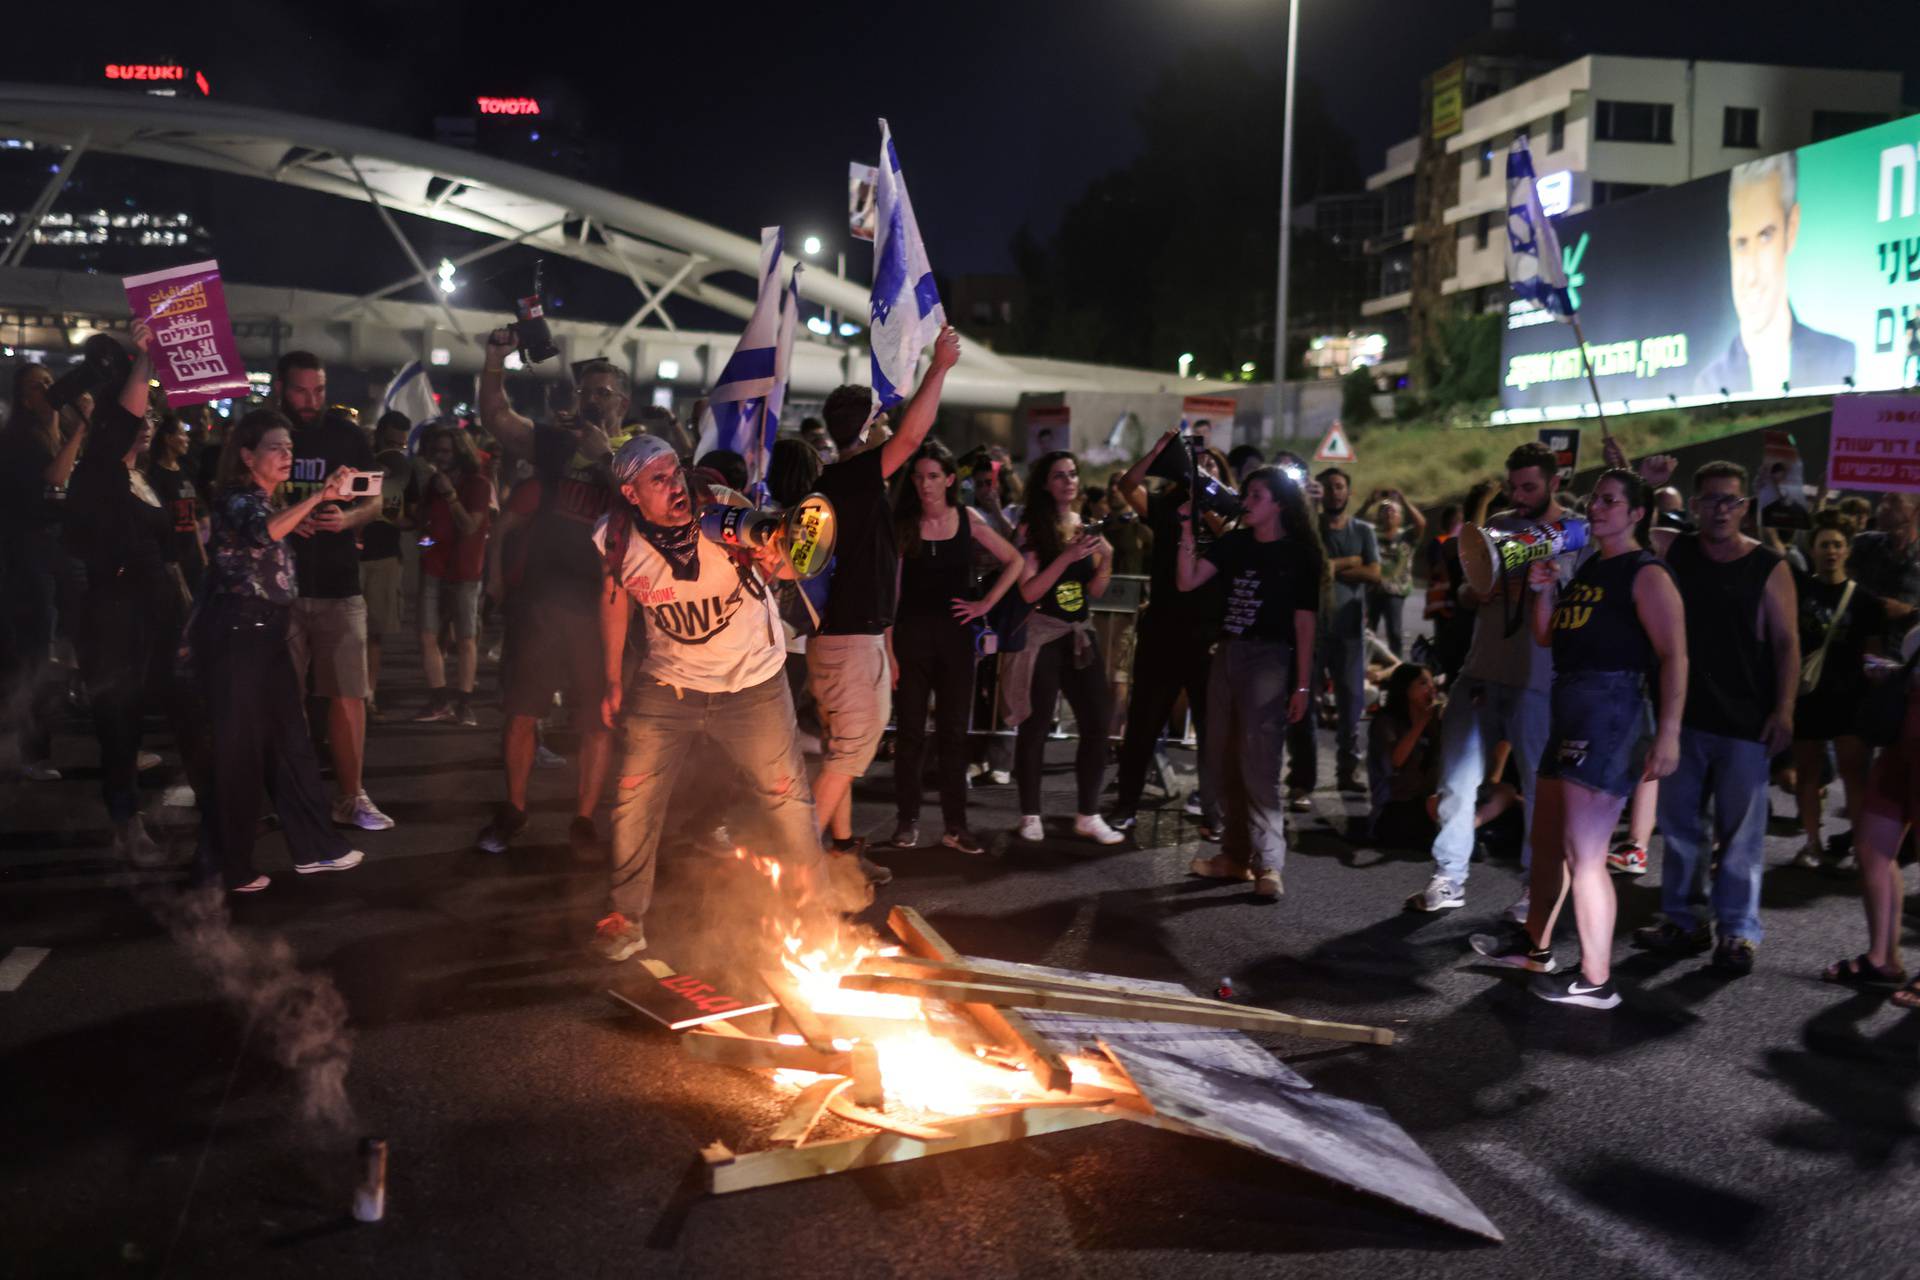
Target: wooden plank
{"points": [[751, 1052], [1005, 1025], [818, 1159], [847, 1109], [968, 971], [805, 1111], [863, 1067], [1007, 994], [798, 1010]]}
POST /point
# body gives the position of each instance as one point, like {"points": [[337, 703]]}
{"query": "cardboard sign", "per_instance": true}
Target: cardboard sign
{"points": [[1049, 427], [1876, 444], [1216, 411], [1334, 446], [681, 1000], [1565, 443], [194, 354]]}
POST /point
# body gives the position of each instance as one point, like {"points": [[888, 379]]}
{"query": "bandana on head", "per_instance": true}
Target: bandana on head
{"points": [[679, 544]]}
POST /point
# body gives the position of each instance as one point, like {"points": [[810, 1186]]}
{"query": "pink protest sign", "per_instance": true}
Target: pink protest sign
{"points": [[1876, 443], [194, 353]]}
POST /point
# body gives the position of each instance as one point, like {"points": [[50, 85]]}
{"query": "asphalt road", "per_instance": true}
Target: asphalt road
{"points": [[1764, 1126]]}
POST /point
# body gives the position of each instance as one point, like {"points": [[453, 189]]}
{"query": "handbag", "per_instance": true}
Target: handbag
{"points": [[1813, 668], [1883, 711]]}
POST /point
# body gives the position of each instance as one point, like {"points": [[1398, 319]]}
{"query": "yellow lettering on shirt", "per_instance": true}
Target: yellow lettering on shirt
{"points": [[1070, 597], [1576, 610]]}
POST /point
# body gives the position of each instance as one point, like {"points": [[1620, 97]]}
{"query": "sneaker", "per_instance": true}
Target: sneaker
{"points": [[1300, 800], [358, 811], [1512, 947], [463, 713], [1521, 907], [906, 835], [617, 938], [1192, 807], [1441, 894], [1000, 777], [254, 885], [1030, 828], [1734, 956], [1095, 828], [1123, 821], [1668, 937], [1627, 859], [345, 862], [1267, 885], [507, 823], [1811, 856], [583, 839], [873, 871], [146, 760], [439, 708], [1575, 990], [1220, 867], [547, 759], [39, 771], [964, 841]]}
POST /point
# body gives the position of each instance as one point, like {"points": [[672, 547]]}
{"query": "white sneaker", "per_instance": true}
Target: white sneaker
{"points": [[1518, 911], [1441, 894], [39, 771], [1810, 856], [1030, 828], [358, 811], [1095, 828], [146, 760], [999, 777], [345, 862]]}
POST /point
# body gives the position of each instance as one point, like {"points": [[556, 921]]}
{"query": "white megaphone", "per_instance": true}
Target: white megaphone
{"points": [[1488, 555], [803, 533]]}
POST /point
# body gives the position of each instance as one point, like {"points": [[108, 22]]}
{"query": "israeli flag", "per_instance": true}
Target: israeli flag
{"points": [[906, 311], [743, 409], [1534, 267], [411, 393]]}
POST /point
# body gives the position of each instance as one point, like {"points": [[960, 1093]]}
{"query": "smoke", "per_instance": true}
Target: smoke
{"points": [[300, 1016]]}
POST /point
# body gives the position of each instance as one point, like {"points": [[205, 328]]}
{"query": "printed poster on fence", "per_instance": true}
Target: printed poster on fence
{"points": [[1049, 427], [194, 354], [1876, 444]]}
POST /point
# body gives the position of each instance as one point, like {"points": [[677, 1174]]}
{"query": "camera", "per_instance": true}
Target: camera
{"points": [[1183, 468], [104, 368], [530, 330]]}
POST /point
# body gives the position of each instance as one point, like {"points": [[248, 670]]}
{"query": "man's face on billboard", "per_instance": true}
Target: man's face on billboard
{"points": [[1760, 234]]}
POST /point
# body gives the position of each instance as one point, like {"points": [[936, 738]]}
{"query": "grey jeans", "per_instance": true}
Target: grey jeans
{"points": [[659, 730], [1248, 688]]}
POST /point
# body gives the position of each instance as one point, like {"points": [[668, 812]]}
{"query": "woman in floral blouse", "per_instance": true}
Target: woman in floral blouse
{"points": [[245, 672]]}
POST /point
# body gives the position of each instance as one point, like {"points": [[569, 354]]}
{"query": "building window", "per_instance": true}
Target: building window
{"points": [[1741, 127], [1557, 131], [1482, 225], [1608, 192], [1831, 124], [1633, 121]]}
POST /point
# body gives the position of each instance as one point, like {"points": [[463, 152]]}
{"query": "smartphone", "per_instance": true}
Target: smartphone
{"points": [[366, 484]]}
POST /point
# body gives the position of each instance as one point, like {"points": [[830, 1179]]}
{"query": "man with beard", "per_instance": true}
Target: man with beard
{"points": [[553, 633], [327, 631], [710, 672], [1743, 650], [1502, 693], [1353, 561]]}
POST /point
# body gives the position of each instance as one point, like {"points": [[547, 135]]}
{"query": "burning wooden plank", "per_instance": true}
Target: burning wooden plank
{"points": [[1008, 1026], [1008, 993], [750, 1052], [798, 1011], [805, 1111]]}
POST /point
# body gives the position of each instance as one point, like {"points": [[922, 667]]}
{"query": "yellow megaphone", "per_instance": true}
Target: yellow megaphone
{"points": [[803, 533]]}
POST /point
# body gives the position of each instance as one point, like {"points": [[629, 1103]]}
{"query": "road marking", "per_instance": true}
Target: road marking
{"points": [[1610, 1235], [18, 963]]}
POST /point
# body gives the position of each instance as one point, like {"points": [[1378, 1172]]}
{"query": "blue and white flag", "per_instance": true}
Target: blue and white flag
{"points": [[1534, 266], [743, 409], [411, 393], [906, 311]]}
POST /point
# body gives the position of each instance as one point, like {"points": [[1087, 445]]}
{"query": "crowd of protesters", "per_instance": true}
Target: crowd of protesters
{"points": [[252, 593]]}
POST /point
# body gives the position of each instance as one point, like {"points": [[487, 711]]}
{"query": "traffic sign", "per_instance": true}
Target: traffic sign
{"points": [[1334, 446]]}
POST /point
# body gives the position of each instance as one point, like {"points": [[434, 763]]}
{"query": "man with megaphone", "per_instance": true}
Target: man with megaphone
{"points": [[1504, 685]]}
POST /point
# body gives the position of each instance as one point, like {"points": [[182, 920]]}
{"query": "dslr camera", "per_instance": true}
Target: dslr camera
{"points": [[529, 328]]}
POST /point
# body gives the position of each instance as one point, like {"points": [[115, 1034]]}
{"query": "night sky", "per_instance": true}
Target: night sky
{"points": [[744, 115]]}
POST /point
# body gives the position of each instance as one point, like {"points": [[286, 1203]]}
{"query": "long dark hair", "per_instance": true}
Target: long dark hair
{"points": [[246, 434], [167, 425], [465, 462], [1637, 492], [1296, 520], [793, 468], [906, 507], [1042, 514], [1396, 698]]}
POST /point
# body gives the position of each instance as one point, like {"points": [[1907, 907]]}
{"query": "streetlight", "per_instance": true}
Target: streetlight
{"points": [[1186, 363], [813, 246], [445, 276], [1281, 418]]}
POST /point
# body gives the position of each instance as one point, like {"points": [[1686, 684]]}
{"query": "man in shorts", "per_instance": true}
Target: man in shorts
{"points": [[327, 635], [553, 619], [847, 658], [381, 571]]}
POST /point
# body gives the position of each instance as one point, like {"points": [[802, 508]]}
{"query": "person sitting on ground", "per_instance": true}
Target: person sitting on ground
{"points": [[1403, 764]]}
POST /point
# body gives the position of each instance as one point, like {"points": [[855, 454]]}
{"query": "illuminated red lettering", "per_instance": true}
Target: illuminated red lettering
{"points": [[144, 71], [508, 106]]}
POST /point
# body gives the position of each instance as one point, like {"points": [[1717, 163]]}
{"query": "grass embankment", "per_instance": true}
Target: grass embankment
{"points": [[1435, 462]]}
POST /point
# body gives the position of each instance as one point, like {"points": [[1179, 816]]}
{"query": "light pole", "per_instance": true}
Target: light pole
{"points": [[813, 246], [1282, 418]]}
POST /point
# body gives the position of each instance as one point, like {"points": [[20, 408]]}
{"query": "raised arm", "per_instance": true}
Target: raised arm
{"points": [[925, 405], [1657, 602], [1132, 484], [283, 522], [138, 390], [497, 414], [1778, 610]]}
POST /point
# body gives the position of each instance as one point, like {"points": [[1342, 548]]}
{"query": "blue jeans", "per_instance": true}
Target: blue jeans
{"points": [[1480, 713], [1344, 658], [659, 731], [1733, 773]]}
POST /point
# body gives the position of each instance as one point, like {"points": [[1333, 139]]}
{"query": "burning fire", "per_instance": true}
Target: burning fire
{"points": [[922, 1069]]}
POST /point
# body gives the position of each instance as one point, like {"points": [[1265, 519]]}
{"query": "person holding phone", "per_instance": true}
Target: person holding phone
{"points": [[245, 669]]}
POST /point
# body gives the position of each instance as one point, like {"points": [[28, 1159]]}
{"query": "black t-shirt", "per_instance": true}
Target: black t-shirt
{"points": [[574, 494], [328, 564], [1167, 604], [1842, 672], [1266, 584], [380, 537], [122, 539], [860, 600], [1068, 600], [176, 493], [1596, 625]]}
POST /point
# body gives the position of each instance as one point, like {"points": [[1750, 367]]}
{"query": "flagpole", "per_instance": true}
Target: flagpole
{"points": [[1593, 384]]}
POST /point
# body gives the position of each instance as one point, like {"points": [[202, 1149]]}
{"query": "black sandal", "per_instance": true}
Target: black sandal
{"points": [[1860, 972], [1907, 997]]}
